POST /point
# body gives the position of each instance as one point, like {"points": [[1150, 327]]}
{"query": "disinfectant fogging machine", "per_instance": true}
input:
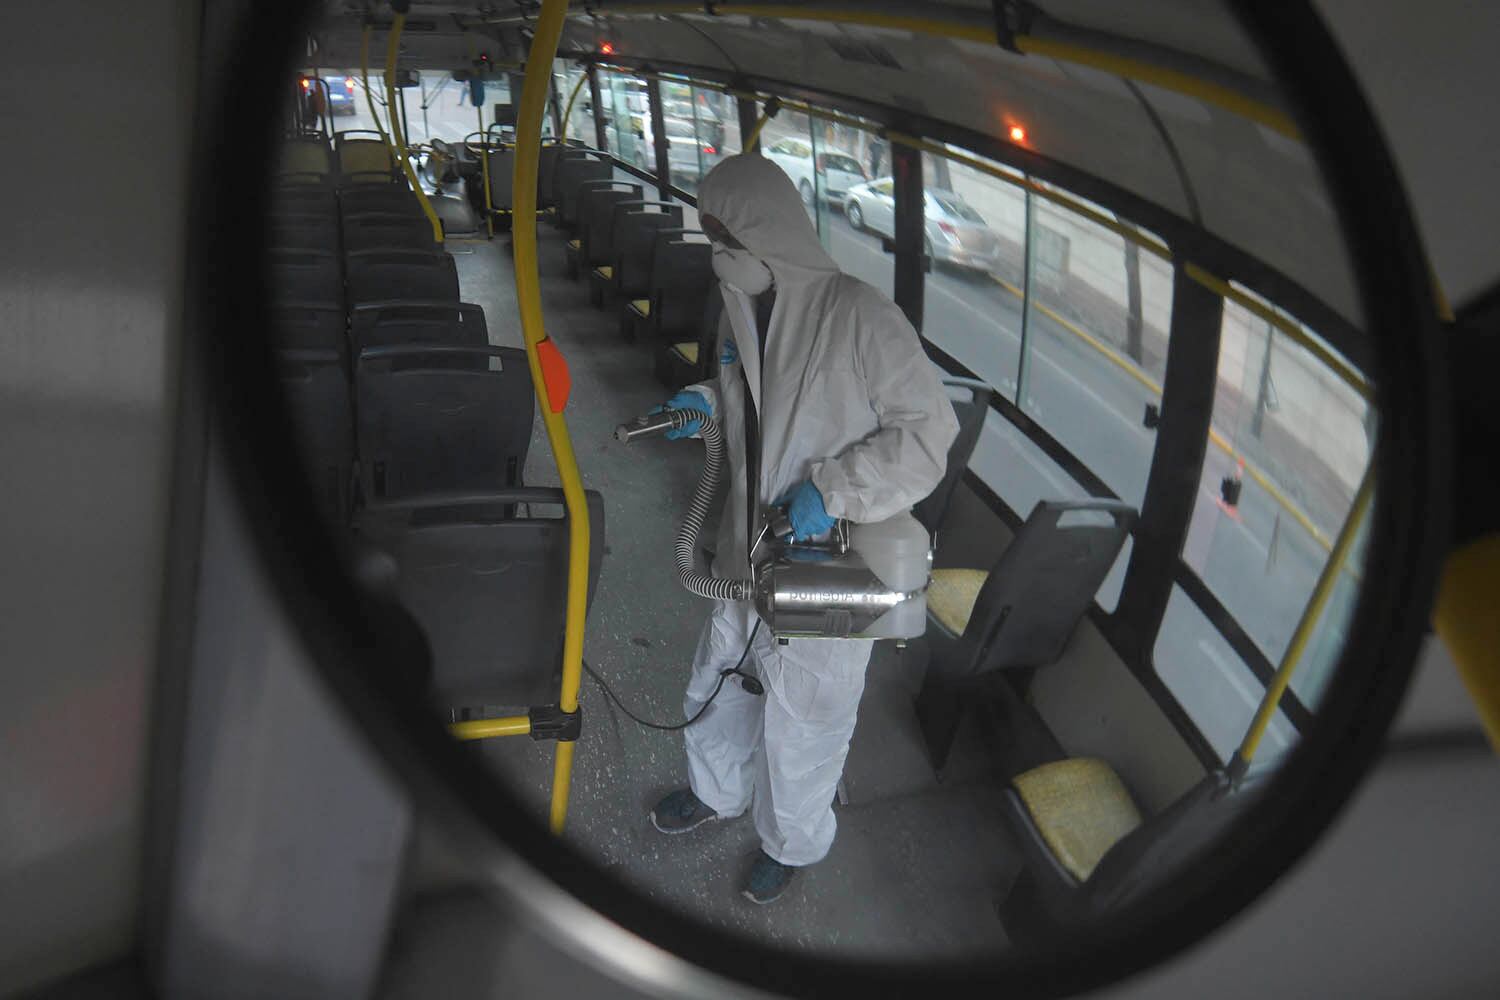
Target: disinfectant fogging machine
{"points": [[867, 581]]}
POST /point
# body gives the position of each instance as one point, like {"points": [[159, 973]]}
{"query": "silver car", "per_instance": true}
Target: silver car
{"points": [[956, 234]]}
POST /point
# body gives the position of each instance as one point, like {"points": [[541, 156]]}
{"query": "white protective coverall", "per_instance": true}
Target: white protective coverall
{"points": [[848, 399]]}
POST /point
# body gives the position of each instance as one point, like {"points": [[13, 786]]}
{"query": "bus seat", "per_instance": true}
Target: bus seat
{"points": [[305, 155], [309, 326], [686, 362], [1079, 808], [298, 198], [361, 151], [404, 322], [316, 393], [572, 174], [426, 425], [376, 275], [1088, 813], [303, 232], [502, 177], [622, 242], [682, 278], [546, 171], [378, 199], [489, 591], [306, 276], [971, 402], [1022, 612], [375, 231], [595, 217], [634, 244]]}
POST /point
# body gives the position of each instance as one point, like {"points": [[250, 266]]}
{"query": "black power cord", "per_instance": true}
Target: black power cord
{"points": [[747, 681]]}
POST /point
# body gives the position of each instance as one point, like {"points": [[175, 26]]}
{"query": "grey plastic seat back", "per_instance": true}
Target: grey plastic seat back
{"points": [[386, 230], [429, 425], [305, 276], [1042, 584], [303, 232], [316, 393], [572, 174], [970, 408], [401, 323], [490, 591], [502, 177], [682, 277], [377, 275], [635, 242], [596, 219], [309, 326], [379, 199]]}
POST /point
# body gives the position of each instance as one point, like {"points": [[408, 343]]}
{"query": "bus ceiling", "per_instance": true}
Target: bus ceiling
{"points": [[1172, 121]]}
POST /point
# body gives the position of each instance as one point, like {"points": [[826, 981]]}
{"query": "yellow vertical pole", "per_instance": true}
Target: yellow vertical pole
{"points": [[1322, 590], [1464, 618], [562, 139], [392, 49], [364, 75], [484, 165], [548, 27]]}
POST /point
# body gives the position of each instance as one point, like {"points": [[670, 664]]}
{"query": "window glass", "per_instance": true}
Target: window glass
{"points": [[1098, 316], [972, 302], [627, 119], [1290, 442], [702, 128], [580, 123], [1212, 684]]}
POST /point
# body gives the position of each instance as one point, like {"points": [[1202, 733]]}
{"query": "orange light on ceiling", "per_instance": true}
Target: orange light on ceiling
{"points": [[607, 49], [1017, 134]]}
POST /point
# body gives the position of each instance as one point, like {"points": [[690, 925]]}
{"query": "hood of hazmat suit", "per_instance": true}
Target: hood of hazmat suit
{"points": [[845, 395]]}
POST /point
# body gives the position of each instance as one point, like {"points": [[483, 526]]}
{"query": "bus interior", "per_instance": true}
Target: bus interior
{"points": [[1180, 558]]}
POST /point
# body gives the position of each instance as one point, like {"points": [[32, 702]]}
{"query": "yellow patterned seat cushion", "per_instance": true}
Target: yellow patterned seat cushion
{"points": [[1080, 808], [574, 244], [606, 272], [951, 596], [688, 350], [642, 307]]}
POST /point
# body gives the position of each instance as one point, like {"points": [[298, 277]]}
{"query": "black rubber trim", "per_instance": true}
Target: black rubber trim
{"points": [[455, 788]]}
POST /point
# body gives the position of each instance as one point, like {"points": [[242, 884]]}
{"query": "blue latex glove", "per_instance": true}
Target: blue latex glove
{"points": [[804, 508], [687, 399]]}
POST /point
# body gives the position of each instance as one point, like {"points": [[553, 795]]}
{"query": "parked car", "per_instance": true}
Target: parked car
{"points": [[955, 233], [834, 173]]}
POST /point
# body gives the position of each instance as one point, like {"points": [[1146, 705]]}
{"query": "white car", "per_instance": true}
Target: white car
{"points": [[955, 233], [835, 173]]}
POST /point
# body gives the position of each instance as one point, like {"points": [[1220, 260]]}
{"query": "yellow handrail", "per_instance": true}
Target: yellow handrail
{"points": [[392, 49], [548, 27], [1464, 618], [1322, 590], [364, 76], [483, 729], [562, 139]]}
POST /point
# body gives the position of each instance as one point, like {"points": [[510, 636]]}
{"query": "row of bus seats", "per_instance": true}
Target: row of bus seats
{"points": [[638, 258], [415, 429]]}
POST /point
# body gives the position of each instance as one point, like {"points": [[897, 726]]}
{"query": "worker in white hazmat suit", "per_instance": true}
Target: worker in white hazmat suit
{"points": [[828, 405]]}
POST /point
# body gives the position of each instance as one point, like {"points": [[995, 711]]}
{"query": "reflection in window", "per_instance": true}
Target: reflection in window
{"points": [[1097, 321], [975, 233], [1291, 440], [627, 119], [1212, 684], [580, 123], [702, 128]]}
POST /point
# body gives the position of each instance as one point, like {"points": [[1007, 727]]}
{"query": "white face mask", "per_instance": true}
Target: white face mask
{"points": [[742, 270]]}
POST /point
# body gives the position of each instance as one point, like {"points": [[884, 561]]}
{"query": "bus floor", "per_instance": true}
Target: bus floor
{"points": [[916, 866]]}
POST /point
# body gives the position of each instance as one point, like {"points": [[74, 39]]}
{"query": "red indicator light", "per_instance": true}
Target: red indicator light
{"points": [[606, 49], [349, 84], [709, 150], [1017, 134], [306, 83]]}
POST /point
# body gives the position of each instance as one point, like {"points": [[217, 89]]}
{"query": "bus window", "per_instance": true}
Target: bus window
{"points": [[972, 301], [1096, 341], [627, 119], [1211, 683], [566, 76], [1291, 439]]}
